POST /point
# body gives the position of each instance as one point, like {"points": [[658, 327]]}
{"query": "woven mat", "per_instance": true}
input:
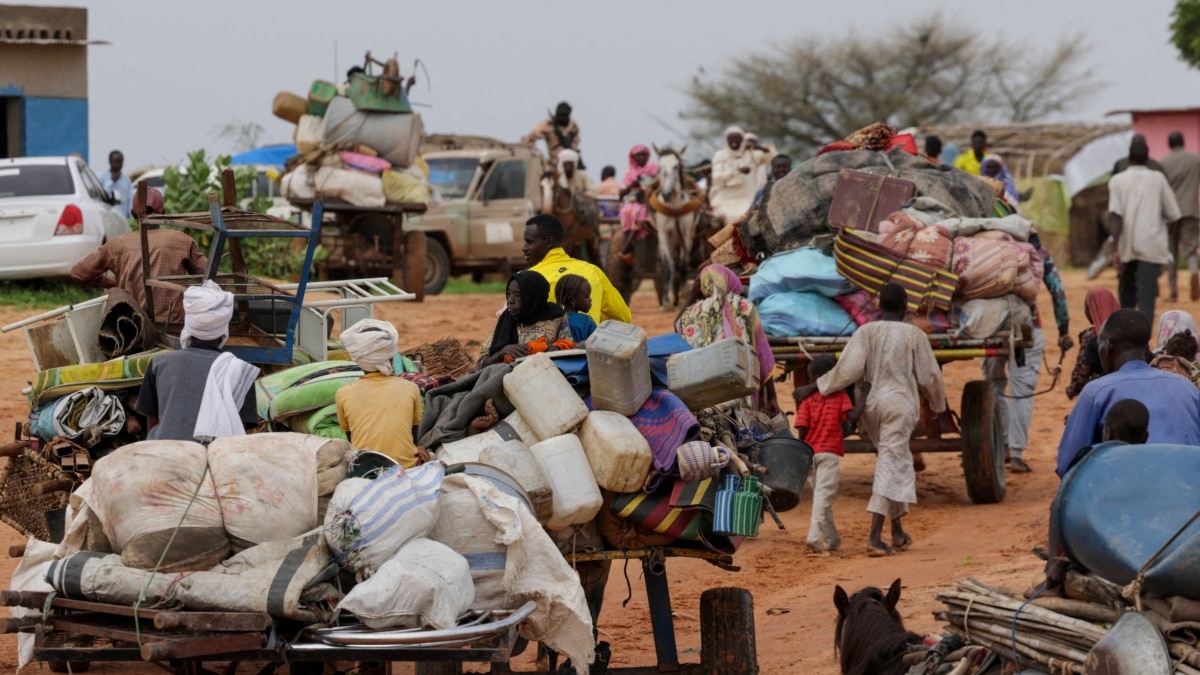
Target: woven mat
{"points": [[20, 508]]}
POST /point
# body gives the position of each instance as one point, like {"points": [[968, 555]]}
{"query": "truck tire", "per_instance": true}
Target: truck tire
{"points": [[437, 266], [982, 443], [727, 641]]}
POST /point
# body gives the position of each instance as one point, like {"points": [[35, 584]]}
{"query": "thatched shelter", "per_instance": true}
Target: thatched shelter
{"points": [[1066, 164]]}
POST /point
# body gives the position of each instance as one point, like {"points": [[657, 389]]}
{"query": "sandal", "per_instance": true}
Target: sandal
{"points": [[876, 552], [1018, 466], [903, 544]]}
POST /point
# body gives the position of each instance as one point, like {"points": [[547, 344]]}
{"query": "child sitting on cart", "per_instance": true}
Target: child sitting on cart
{"points": [[822, 421], [895, 358]]}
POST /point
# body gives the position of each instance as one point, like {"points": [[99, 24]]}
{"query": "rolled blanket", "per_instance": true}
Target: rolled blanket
{"points": [[125, 327]]}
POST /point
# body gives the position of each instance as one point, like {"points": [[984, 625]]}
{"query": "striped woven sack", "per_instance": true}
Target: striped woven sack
{"points": [[747, 508], [731, 484], [869, 266], [676, 509]]}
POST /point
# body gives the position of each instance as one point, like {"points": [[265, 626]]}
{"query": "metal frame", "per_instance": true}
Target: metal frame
{"points": [[80, 325], [356, 301]]}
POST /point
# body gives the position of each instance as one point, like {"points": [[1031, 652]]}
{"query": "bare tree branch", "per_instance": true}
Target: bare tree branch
{"points": [[808, 92]]}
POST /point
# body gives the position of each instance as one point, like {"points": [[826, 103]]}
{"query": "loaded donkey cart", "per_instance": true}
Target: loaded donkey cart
{"points": [[179, 555], [826, 238]]}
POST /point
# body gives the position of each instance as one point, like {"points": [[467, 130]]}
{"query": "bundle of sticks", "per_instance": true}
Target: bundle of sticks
{"points": [[1057, 633], [446, 357]]}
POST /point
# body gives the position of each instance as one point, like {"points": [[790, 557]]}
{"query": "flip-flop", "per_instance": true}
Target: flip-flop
{"points": [[876, 552], [904, 543], [1018, 466]]}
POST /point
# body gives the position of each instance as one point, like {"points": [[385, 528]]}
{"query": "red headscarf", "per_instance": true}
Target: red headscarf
{"points": [[1100, 303]]}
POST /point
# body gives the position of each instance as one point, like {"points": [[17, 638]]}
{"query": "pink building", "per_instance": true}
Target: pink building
{"points": [[1156, 124]]}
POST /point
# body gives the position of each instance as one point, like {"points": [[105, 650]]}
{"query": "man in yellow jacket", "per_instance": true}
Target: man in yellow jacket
{"points": [[971, 160], [544, 252]]}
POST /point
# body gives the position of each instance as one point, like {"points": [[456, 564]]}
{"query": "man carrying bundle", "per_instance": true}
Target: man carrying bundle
{"points": [[199, 392], [379, 412]]}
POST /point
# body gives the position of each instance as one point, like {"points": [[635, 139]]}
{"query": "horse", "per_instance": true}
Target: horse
{"points": [[675, 209], [870, 637], [579, 215]]}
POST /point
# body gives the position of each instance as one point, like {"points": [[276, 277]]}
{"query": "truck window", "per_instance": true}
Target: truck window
{"points": [[507, 181], [451, 176]]}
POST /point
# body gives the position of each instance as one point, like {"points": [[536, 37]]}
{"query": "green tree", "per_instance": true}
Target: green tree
{"points": [[1185, 31], [810, 91], [187, 191]]}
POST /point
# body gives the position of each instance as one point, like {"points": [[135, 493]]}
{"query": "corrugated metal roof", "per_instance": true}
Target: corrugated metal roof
{"points": [[51, 42]]}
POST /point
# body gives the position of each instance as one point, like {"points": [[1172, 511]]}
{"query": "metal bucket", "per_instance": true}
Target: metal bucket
{"points": [[788, 461]]}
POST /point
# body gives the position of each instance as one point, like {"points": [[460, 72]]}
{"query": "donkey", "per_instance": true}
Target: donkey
{"points": [[675, 209], [870, 638]]}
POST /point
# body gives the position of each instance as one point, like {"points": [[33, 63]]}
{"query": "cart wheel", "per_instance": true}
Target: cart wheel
{"points": [[982, 443], [437, 668], [437, 266], [727, 644]]}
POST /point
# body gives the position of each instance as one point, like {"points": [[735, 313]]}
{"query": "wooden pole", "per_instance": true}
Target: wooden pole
{"points": [[414, 264]]}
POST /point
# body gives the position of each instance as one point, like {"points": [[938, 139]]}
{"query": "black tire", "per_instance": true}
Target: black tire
{"points": [[437, 266], [982, 443], [437, 668], [727, 640]]}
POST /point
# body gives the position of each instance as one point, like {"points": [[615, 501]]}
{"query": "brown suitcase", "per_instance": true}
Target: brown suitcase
{"points": [[861, 200]]}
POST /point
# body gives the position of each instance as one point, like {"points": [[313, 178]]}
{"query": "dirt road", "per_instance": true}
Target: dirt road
{"points": [[792, 589]]}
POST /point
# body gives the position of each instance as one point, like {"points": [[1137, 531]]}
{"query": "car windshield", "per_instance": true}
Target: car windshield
{"points": [[35, 180], [451, 176]]}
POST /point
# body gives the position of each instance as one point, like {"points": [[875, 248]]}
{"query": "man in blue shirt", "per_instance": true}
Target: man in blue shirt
{"points": [[1173, 401], [118, 184]]}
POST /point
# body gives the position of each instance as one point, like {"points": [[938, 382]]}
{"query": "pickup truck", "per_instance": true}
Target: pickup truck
{"points": [[488, 188]]}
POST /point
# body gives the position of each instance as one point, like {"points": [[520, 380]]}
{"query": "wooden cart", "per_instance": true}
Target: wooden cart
{"points": [[981, 440], [73, 633]]}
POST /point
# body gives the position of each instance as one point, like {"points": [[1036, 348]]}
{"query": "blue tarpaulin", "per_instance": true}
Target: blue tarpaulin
{"points": [[275, 155]]}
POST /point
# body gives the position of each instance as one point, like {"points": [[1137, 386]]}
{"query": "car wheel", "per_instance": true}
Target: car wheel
{"points": [[437, 266]]}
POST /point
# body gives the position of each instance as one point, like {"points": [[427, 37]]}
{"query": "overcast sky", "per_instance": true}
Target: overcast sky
{"points": [[177, 70]]}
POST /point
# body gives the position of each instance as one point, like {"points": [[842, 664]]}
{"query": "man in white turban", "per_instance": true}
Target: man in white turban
{"points": [[571, 178], [379, 412], [733, 179], [199, 392]]}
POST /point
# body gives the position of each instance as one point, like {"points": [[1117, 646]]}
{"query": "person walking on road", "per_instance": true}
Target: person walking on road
{"points": [[1141, 207], [1182, 169]]}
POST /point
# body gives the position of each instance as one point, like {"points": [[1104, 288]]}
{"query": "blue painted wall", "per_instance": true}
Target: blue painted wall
{"points": [[55, 126]]}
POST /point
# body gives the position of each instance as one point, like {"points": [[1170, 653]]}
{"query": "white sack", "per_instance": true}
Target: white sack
{"points": [[395, 136], [268, 485], [369, 520], [462, 526], [424, 584], [141, 493], [30, 575]]}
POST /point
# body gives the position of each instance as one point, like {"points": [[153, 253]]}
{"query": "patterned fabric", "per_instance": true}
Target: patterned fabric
{"points": [[676, 510], [869, 266], [112, 375], [552, 330], [988, 266], [1175, 364], [1058, 294], [1172, 322], [860, 307], [1087, 364], [822, 416], [724, 313], [927, 244], [666, 423], [698, 460]]}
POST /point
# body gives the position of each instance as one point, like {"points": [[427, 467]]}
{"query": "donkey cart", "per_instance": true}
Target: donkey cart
{"points": [[980, 433], [71, 633]]}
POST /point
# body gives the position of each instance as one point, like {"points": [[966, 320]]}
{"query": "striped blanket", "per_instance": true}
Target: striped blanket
{"points": [[869, 266]]}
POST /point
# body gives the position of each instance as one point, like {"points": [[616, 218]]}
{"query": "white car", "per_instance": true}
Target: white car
{"points": [[53, 213]]}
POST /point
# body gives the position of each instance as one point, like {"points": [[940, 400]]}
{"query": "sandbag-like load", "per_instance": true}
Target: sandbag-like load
{"points": [[463, 526], [284, 578], [268, 485], [353, 187], [369, 520], [157, 500], [395, 136], [424, 584]]}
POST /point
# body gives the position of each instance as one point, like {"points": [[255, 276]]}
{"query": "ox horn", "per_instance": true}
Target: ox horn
{"points": [[682, 150], [656, 150]]}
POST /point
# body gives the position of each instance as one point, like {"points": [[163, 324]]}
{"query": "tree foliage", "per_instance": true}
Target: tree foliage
{"points": [[187, 191], [1185, 31], [814, 90]]}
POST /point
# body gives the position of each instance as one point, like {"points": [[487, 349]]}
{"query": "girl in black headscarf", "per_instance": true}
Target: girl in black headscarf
{"points": [[529, 317]]}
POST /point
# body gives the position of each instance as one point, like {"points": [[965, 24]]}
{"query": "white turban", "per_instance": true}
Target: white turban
{"points": [[734, 130], [567, 155], [372, 344], [207, 311]]}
